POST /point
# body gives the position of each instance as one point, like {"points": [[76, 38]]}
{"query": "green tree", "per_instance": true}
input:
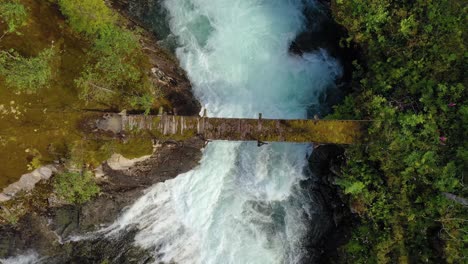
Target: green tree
{"points": [[76, 187], [13, 14], [113, 75], [411, 81], [115, 72], [26, 74], [87, 16]]}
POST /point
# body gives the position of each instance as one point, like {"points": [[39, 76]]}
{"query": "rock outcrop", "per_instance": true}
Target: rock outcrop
{"points": [[322, 32], [27, 182], [118, 162], [325, 163], [166, 74]]}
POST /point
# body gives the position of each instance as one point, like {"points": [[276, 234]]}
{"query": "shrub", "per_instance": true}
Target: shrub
{"points": [[114, 73], [11, 216], [26, 74], [13, 14], [87, 16], [75, 187]]}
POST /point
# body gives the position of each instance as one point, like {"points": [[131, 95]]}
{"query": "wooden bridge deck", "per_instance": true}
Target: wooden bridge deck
{"points": [[236, 129]]}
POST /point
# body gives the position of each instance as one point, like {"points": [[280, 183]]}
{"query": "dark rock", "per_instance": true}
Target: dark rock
{"points": [[112, 250], [165, 70], [318, 225], [150, 14], [31, 232], [322, 32], [10, 241], [65, 220], [122, 188], [324, 163], [170, 78], [328, 210]]}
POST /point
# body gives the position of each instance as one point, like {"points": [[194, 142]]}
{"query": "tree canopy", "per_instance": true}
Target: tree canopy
{"points": [[411, 80], [114, 74], [13, 14], [87, 16], [26, 74], [76, 187]]}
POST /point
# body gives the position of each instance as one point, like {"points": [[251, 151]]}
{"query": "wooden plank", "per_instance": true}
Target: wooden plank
{"points": [[240, 129]]}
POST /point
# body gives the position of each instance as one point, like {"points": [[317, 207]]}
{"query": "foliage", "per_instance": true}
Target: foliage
{"points": [[411, 82], [114, 74], [35, 162], [144, 102], [87, 16], [11, 217], [13, 14], [75, 187], [26, 74]]}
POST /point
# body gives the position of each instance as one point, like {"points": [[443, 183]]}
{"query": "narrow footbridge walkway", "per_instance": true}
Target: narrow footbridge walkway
{"points": [[235, 129]]}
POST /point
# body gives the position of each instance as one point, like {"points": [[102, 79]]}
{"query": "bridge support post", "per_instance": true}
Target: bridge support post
{"points": [[259, 128], [259, 122], [201, 124]]}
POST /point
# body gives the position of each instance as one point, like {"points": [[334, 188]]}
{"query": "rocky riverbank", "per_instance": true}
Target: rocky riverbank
{"points": [[157, 44], [325, 162], [46, 229]]}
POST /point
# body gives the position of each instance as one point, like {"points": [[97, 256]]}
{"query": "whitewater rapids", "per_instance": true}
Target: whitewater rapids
{"points": [[242, 204]]}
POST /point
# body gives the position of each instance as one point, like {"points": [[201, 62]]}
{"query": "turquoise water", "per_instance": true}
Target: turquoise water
{"points": [[242, 204]]}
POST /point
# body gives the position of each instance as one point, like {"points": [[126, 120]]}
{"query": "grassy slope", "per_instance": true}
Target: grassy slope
{"points": [[45, 25], [42, 126]]}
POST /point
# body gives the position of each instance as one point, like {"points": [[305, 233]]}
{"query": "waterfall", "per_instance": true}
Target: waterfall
{"points": [[242, 204]]}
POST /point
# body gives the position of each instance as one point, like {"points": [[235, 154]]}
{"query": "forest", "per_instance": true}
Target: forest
{"points": [[408, 182]]}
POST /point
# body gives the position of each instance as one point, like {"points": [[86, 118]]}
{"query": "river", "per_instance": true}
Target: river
{"points": [[242, 204]]}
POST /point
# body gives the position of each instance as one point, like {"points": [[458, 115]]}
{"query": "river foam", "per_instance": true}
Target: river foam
{"points": [[242, 204], [30, 257]]}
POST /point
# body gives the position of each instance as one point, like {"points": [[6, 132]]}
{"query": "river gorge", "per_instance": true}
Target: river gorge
{"points": [[242, 203], [162, 131]]}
